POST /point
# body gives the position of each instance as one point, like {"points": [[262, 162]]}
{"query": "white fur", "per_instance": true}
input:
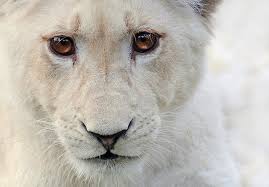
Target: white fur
{"points": [[177, 138]]}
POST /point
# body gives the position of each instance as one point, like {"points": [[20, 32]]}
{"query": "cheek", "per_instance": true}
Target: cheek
{"points": [[45, 80], [173, 76], [159, 81]]}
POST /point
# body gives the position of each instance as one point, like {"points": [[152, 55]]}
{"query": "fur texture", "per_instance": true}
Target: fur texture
{"points": [[177, 137]]}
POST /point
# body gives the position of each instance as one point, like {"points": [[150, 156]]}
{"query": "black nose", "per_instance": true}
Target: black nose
{"points": [[108, 141]]}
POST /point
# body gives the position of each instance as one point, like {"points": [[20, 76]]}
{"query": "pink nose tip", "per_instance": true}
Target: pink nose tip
{"points": [[107, 141]]}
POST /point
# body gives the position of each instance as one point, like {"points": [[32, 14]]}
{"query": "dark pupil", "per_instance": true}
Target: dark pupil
{"points": [[65, 42], [143, 38]]}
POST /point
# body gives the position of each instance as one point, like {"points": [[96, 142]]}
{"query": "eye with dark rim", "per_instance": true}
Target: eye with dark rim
{"points": [[62, 46], [145, 42]]}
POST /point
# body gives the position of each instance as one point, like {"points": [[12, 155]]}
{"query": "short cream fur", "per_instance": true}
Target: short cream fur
{"points": [[177, 137]]}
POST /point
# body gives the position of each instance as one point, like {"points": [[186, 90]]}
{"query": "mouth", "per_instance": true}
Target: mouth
{"points": [[110, 156], [107, 156]]}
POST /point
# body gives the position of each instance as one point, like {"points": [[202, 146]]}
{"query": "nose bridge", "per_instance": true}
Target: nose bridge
{"points": [[110, 57], [107, 105], [107, 114]]}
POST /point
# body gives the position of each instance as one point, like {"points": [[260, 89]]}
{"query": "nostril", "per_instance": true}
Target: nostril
{"points": [[130, 124], [84, 126]]}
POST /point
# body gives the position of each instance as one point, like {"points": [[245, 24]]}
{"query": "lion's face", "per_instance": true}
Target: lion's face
{"points": [[104, 71]]}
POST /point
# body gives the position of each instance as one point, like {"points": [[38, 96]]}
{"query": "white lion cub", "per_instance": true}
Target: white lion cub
{"points": [[109, 93]]}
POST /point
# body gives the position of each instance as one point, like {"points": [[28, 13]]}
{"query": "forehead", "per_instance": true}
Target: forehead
{"points": [[116, 16], [104, 16]]}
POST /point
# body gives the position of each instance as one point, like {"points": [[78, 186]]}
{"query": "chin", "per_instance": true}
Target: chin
{"points": [[99, 167]]}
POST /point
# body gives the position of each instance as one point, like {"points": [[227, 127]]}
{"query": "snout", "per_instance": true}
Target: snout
{"points": [[87, 144], [106, 119], [110, 127]]}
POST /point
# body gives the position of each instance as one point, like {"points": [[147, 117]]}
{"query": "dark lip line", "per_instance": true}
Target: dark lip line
{"points": [[115, 158]]}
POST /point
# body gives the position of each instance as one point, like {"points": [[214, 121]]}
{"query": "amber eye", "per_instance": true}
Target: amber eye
{"points": [[144, 42], [62, 45]]}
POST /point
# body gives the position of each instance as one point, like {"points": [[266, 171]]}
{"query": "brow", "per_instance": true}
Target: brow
{"points": [[63, 30], [75, 23], [129, 22]]}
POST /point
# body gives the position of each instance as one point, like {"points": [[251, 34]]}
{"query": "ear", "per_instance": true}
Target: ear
{"points": [[204, 7]]}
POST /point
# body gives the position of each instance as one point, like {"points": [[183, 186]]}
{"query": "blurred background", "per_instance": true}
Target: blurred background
{"points": [[238, 59]]}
